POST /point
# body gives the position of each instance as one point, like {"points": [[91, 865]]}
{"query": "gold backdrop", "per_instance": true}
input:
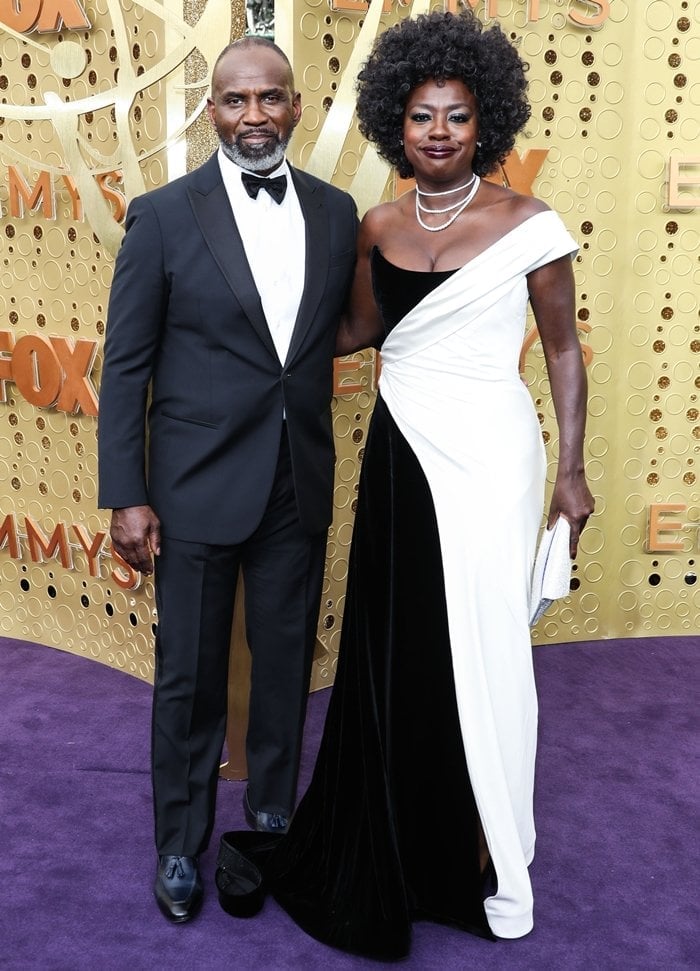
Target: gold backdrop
{"points": [[103, 103]]}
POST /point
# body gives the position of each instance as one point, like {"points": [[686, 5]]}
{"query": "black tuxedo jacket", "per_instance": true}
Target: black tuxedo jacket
{"points": [[185, 321]]}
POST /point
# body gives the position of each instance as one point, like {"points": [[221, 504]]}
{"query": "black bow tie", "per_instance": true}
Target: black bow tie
{"points": [[254, 183]]}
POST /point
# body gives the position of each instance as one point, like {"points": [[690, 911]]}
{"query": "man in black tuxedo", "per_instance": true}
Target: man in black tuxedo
{"points": [[226, 297]]}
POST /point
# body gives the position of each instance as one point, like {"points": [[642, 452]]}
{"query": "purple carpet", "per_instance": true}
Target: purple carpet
{"points": [[615, 876]]}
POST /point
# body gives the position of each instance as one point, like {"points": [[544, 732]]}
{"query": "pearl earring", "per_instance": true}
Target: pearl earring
{"points": [[478, 144]]}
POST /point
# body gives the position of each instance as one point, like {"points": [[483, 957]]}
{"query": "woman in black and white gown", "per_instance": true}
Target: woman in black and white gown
{"points": [[421, 801]]}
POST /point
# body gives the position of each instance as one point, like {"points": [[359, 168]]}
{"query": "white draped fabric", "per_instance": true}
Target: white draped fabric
{"points": [[450, 380]]}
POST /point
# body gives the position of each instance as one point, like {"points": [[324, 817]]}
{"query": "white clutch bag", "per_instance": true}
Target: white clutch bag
{"points": [[551, 575]]}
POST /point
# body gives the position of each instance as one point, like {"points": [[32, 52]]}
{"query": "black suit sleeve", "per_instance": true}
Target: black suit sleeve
{"points": [[137, 308]]}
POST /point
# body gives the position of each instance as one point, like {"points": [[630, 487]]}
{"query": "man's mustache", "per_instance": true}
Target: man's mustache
{"points": [[258, 131]]}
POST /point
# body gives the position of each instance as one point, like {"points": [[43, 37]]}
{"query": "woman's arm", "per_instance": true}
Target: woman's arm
{"points": [[552, 297], [361, 324]]}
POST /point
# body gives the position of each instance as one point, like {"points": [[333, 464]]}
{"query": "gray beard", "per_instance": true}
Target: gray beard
{"points": [[251, 160]]}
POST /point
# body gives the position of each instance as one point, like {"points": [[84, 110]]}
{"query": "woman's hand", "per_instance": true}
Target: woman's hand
{"points": [[573, 500]]}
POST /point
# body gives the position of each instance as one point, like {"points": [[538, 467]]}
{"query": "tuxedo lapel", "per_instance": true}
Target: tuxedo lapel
{"points": [[317, 249], [212, 210]]}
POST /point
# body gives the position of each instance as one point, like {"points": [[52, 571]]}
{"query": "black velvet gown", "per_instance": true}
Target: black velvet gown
{"points": [[388, 831]]}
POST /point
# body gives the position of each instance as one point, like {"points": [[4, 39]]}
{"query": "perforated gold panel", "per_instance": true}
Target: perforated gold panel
{"points": [[614, 105], [93, 115]]}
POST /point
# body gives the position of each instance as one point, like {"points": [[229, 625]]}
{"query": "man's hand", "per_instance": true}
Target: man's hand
{"points": [[135, 533]]}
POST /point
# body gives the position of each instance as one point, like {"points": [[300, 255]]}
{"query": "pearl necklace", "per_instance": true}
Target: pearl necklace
{"points": [[462, 206], [419, 192], [447, 192]]}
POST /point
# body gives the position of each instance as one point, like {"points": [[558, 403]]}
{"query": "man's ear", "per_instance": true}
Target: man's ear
{"points": [[296, 107]]}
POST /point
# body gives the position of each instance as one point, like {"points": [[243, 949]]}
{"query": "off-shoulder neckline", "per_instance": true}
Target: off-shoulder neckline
{"points": [[514, 229]]}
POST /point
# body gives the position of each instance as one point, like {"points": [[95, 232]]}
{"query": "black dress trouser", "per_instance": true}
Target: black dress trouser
{"points": [[195, 589]]}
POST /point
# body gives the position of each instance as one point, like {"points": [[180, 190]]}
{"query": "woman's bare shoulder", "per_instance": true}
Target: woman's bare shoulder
{"points": [[382, 215], [527, 206], [511, 204], [378, 222]]}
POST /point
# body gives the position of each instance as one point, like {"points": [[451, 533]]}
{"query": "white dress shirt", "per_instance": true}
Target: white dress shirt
{"points": [[274, 239]]}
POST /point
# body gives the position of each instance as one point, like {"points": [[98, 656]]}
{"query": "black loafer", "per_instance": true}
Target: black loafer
{"points": [[276, 823], [178, 887]]}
